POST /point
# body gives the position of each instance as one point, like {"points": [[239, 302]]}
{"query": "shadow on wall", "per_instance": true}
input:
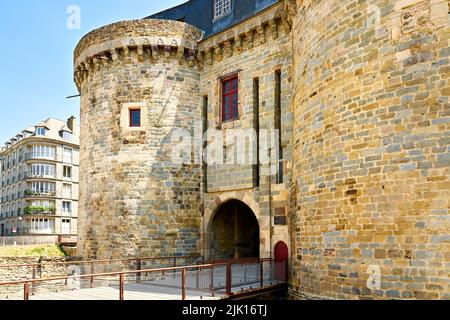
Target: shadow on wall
{"points": [[234, 232]]}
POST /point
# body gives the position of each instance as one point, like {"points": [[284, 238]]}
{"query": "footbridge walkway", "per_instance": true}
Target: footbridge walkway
{"points": [[162, 278]]}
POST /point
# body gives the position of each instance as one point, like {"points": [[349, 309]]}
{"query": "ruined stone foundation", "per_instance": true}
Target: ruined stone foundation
{"points": [[135, 201], [370, 216]]}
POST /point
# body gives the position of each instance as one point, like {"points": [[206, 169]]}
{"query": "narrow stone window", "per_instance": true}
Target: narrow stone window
{"points": [[135, 118], [256, 169], [278, 125], [205, 128], [230, 99]]}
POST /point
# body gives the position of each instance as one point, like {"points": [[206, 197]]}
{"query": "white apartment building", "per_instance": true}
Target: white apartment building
{"points": [[39, 176]]}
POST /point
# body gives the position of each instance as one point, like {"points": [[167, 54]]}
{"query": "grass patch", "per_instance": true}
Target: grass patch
{"points": [[51, 250]]}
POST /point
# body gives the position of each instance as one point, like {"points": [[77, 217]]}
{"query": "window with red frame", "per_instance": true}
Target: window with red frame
{"points": [[135, 117], [230, 94]]}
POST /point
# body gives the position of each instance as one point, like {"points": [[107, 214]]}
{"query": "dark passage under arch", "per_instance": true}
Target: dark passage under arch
{"points": [[234, 232]]}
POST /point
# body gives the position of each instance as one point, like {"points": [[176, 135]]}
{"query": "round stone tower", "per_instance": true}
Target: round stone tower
{"points": [[139, 98], [370, 196]]}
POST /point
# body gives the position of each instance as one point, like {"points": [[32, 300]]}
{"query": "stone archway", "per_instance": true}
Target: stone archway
{"points": [[232, 230]]}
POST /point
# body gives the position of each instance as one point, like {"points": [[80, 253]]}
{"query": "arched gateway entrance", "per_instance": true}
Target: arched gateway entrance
{"points": [[234, 232]]}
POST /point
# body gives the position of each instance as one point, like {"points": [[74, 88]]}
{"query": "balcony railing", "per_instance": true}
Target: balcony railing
{"points": [[32, 210], [23, 231], [30, 175], [39, 194], [38, 156]]}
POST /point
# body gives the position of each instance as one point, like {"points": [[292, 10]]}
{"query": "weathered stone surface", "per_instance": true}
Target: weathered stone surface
{"points": [[376, 71], [51, 267], [135, 201], [365, 137]]}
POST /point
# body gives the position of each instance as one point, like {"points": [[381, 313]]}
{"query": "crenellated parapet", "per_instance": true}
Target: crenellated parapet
{"points": [[267, 26], [132, 42]]}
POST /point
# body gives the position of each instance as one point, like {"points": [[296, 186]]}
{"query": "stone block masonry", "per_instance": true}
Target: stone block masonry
{"points": [[51, 267], [371, 144], [256, 49], [135, 202], [363, 92]]}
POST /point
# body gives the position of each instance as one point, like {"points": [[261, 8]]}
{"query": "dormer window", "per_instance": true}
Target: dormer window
{"points": [[40, 131], [66, 135], [221, 8], [26, 134]]}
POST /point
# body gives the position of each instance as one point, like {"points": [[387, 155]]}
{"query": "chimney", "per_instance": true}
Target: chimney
{"points": [[71, 122]]}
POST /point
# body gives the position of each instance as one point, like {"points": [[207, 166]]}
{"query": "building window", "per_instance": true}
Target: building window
{"points": [[42, 226], [66, 135], [230, 94], [65, 226], [67, 206], [221, 8], [67, 190], [135, 118], [43, 203], [67, 155], [43, 170], [67, 172], [43, 188], [43, 152], [40, 131]]}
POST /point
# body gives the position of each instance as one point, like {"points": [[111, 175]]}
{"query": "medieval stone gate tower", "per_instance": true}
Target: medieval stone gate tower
{"points": [[137, 84], [364, 95]]}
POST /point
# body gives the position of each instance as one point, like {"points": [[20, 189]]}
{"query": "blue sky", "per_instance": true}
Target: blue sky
{"points": [[37, 53]]}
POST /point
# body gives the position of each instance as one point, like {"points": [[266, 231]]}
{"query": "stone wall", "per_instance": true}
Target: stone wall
{"points": [[135, 200], [365, 138], [51, 267], [255, 49], [371, 149]]}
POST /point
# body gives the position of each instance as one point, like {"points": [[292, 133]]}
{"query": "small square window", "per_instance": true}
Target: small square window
{"points": [[135, 118]]}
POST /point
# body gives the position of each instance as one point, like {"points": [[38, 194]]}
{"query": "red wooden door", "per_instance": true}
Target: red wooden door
{"points": [[281, 260]]}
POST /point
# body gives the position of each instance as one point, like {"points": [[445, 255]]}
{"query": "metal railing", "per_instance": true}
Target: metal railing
{"points": [[139, 262], [40, 156], [222, 279], [39, 194]]}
